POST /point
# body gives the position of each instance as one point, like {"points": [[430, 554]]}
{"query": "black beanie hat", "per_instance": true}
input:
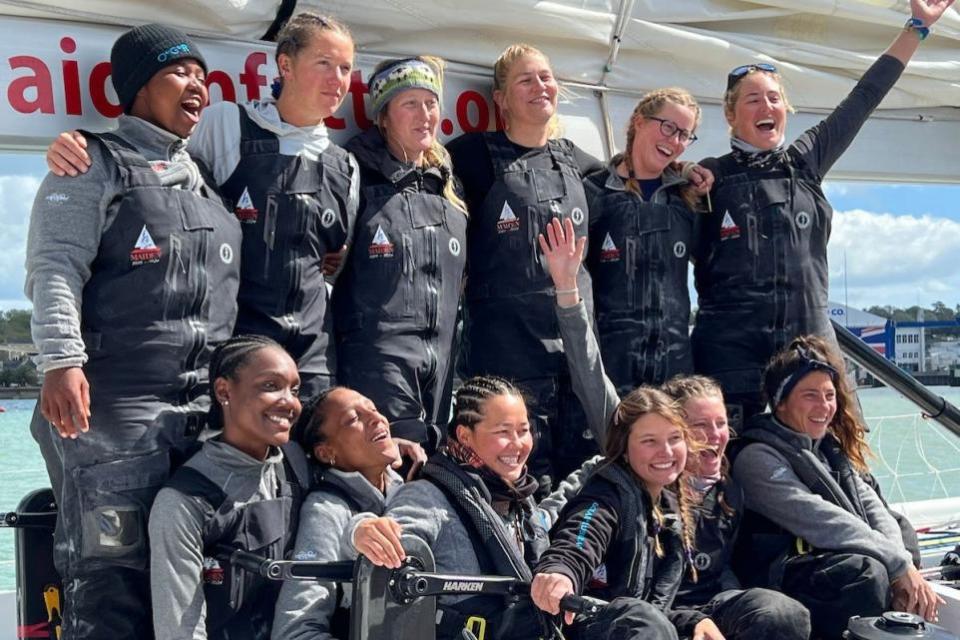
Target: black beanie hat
{"points": [[144, 50]]}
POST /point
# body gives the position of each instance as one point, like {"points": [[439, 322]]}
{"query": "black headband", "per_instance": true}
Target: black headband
{"points": [[808, 364]]}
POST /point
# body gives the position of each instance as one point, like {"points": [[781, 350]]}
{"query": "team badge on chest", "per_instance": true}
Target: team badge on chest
{"points": [[729, 230], [577, 216], [145, 251], [245, 211], [609, 251], [508, 220], [380, 247]]}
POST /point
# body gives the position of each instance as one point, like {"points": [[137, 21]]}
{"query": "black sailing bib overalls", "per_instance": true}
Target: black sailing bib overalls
{"points": [[510, 324], [293, 211], [761, 273], [161, 294], [638, 257], [240, 604], [396, 301]]}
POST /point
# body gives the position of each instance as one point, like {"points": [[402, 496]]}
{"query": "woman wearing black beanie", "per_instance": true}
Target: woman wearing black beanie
{"points": [[133, 271]]}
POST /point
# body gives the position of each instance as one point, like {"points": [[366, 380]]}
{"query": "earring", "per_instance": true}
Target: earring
{"points": [[331, 461], [225, 402]]}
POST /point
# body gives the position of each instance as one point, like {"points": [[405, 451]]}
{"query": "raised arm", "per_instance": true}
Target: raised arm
{"points": [[924, 13], [563, 253], [823, 144]]}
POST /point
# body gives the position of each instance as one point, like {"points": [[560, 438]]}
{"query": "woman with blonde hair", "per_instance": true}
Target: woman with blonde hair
{"points": [[813, 527], [641, 233], [515, 180], [761, 259], [396, 300], [713, 606]]}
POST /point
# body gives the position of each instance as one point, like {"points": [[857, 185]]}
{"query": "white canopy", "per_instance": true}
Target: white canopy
{"points": [[620, 49], [821, 45]]}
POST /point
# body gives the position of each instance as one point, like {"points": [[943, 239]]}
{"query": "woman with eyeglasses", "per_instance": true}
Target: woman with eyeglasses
{"points": [[761, 256], [641, 229], [813, 528]]}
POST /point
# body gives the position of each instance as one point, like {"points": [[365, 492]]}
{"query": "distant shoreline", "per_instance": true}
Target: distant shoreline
{"points": [[19, 393]]}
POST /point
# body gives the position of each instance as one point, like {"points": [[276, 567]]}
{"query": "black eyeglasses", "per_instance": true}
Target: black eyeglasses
{"points": [[669, 129], [734, 76]]}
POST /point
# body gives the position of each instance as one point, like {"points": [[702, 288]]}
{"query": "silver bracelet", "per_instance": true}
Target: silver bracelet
{"points": [[563, 292]]}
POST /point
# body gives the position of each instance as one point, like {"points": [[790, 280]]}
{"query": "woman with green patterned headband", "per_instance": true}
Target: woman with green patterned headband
{"points": [[395, 305]]}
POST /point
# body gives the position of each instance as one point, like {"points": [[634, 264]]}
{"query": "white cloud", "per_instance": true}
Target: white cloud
{"points": [[899, 260], [16, 199], [835, 189]]}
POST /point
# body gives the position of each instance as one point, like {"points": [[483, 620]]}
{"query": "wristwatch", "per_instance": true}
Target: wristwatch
{"points": [[916, 24]]}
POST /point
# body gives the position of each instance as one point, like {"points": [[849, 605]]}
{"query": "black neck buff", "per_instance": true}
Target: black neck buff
{"points": [[750, 156], [505, 497]]}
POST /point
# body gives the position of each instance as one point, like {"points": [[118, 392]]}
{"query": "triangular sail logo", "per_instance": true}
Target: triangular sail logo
{"points": [[145, 250], [608, 250], [380, 246], [728, 228], [245, 211], [508, 219]]}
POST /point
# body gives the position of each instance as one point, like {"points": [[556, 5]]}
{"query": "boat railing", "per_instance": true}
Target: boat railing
{"points": [[933, 406]]}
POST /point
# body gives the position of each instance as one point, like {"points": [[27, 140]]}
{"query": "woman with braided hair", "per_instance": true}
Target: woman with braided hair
{"points": [[349, 439], [740, 614], [641, 232], [242, 489], [713, 606], [474, 506]]}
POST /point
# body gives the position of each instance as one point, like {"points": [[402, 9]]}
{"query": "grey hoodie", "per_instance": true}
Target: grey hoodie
{"points": [[69, 217], [772, 489], [304, 608], [423, 510]]}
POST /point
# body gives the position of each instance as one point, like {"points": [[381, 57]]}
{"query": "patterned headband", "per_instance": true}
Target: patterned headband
{"points": [[403, 74]]}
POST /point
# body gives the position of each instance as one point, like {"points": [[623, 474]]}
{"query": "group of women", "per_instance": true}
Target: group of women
{"points": [[397, 223]]}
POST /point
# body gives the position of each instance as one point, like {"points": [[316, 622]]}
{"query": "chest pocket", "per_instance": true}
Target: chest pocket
{"points": [[425, 212], [300, 193], [740, 207], [259, 530], [646, 253], [188, 255]]}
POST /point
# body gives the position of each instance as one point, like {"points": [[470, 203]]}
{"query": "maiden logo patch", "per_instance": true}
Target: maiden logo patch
{"points": [[728, 228], [245, 211], [145, 251], [608, 250], [380, 247], [508, 220]]}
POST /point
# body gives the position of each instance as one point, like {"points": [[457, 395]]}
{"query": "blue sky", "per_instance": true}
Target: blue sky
{"points": [[900, 242]]}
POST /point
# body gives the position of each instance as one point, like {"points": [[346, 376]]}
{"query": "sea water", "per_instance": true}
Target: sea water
{"points": [[915, 459]]}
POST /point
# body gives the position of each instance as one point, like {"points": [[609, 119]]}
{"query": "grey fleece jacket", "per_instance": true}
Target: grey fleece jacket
{"points": [[69, 217], [304, 608], [772, 489], [176, 535], [587, 375], [422, 509]]}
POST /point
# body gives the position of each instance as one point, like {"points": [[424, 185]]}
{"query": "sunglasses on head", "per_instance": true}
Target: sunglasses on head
{"points": [[734, 76]]}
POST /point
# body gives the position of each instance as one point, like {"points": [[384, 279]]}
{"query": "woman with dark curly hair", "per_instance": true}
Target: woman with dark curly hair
{"points": [[813, 527]]}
